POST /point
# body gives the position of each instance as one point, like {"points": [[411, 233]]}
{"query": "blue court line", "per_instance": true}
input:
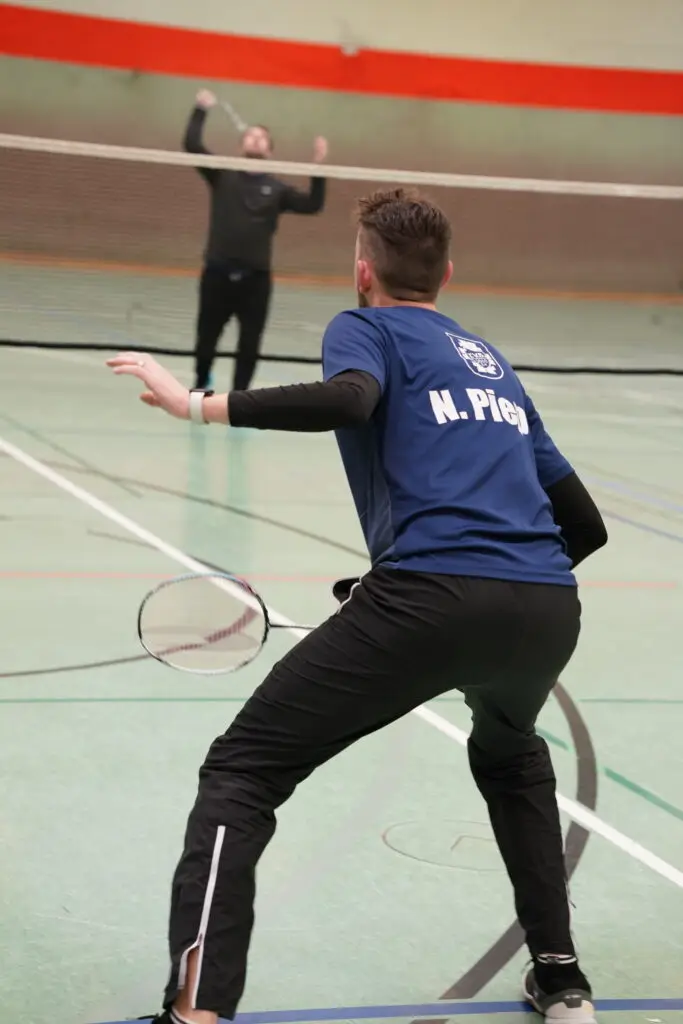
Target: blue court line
{"points": [[631, 492], [463, 1008], [644, 526]]}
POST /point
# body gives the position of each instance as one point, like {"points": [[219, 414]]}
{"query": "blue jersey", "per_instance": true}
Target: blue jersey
{"points": [[449, 474]]}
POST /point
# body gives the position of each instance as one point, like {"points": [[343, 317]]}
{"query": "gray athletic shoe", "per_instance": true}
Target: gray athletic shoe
{"points": [[560, 1003]]}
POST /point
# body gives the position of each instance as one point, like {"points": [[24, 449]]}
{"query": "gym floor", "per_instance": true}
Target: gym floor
{"points": [[383, 891]]}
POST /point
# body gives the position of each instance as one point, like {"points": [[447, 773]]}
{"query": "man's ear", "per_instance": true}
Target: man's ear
{"points": [[363, 276]]}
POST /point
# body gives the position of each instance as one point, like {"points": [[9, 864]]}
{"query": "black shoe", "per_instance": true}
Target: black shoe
{"points": [[160, 1018], [560, 992]]}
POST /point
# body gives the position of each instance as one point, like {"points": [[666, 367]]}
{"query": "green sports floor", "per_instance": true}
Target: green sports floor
{"points": [[382, 895]]}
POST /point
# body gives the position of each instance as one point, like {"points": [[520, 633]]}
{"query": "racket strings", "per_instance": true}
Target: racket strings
{"points": [[215, 637], [203, 623], [207, 623]]}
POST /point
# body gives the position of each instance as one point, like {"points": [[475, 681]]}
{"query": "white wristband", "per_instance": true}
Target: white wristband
{"points": [[197, 406]]}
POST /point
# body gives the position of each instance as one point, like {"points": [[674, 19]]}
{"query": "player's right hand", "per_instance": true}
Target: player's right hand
{"points": [[206, 99], [163, 390]]}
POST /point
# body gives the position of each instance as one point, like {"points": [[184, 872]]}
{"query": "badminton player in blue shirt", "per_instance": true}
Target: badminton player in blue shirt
{"points": [[474, 524]]}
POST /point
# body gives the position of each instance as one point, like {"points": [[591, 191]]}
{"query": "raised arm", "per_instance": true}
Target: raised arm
{"points": [[192, 140], [294, 200]]}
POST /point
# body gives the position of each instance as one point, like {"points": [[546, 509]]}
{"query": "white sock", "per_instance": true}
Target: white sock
{"points": [[177, 1019], [559, 959]]}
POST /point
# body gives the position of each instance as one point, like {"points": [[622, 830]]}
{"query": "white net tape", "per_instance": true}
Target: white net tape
{"points": [[343, 173]]}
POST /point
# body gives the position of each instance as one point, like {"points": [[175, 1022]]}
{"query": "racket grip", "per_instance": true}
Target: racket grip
{"points": [[341, 589]]}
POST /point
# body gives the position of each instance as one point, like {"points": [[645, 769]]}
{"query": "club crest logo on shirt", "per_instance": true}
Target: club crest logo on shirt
{"points": [[266, 190], [477, 357]]}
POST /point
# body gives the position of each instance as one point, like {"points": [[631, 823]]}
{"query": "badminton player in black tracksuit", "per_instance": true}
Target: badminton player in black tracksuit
{"points": [[474, 522], [236, 278]]}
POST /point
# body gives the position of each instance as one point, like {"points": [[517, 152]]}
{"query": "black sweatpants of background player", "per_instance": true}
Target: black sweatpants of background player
{"points": [[402, 639], [224, 293]]}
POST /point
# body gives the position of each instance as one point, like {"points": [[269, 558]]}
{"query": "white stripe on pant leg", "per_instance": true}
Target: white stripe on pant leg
{"points": [[204, 920], [182, 969]]}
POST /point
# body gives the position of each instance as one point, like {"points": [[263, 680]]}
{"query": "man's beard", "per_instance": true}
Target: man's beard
{"points": [[255, 156]]}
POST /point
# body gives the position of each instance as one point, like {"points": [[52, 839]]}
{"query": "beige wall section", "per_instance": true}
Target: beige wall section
{"points": [[64, 101], [618, 33], [93, 211]]}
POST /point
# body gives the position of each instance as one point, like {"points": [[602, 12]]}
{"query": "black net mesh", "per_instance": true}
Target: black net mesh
{"points": [[104, 253]]}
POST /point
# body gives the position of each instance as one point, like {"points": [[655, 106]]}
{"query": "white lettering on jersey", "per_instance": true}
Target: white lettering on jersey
{"points": [[500, 410], [493, 405], [523, 421], [443, 407], [479, 401], [508, 411]]}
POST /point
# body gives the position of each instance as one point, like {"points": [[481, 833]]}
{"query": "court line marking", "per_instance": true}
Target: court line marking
{"points": [[635, 788], [643, 792], [461, 1008], [577, 812], [123, 576], [645, 527], [630, 492]]}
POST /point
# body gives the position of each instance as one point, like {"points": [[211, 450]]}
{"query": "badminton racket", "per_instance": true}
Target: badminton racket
{"points": [[239, 124], [205, 623]]}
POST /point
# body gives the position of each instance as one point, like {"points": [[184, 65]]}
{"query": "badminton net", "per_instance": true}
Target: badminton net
{"points": [[101, 246]]}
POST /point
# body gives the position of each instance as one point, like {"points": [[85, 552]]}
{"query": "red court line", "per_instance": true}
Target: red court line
{"points": [[57, 574], [629, 584], [164, 49]]}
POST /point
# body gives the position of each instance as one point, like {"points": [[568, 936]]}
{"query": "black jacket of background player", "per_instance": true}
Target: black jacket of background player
{"points": [[245, 207]]}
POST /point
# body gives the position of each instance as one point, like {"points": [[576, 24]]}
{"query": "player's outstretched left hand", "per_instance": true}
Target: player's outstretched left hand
{"points": [[320, 149], [163, 390]]}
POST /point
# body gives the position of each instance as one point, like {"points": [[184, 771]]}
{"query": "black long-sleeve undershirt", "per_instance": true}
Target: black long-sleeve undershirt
{"points": [[578, 517], [348, 400]]}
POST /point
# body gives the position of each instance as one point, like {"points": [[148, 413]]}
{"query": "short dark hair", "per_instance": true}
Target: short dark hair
{"points": [[408, 238]]}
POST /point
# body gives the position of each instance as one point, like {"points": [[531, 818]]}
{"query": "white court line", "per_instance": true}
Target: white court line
{"points": [[578, 812]]}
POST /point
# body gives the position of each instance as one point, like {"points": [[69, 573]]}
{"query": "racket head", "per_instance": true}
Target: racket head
{"points": [[204, 623]]}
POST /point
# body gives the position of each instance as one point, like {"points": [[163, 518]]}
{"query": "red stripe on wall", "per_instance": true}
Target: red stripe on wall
{"points": [[161, 49]]}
